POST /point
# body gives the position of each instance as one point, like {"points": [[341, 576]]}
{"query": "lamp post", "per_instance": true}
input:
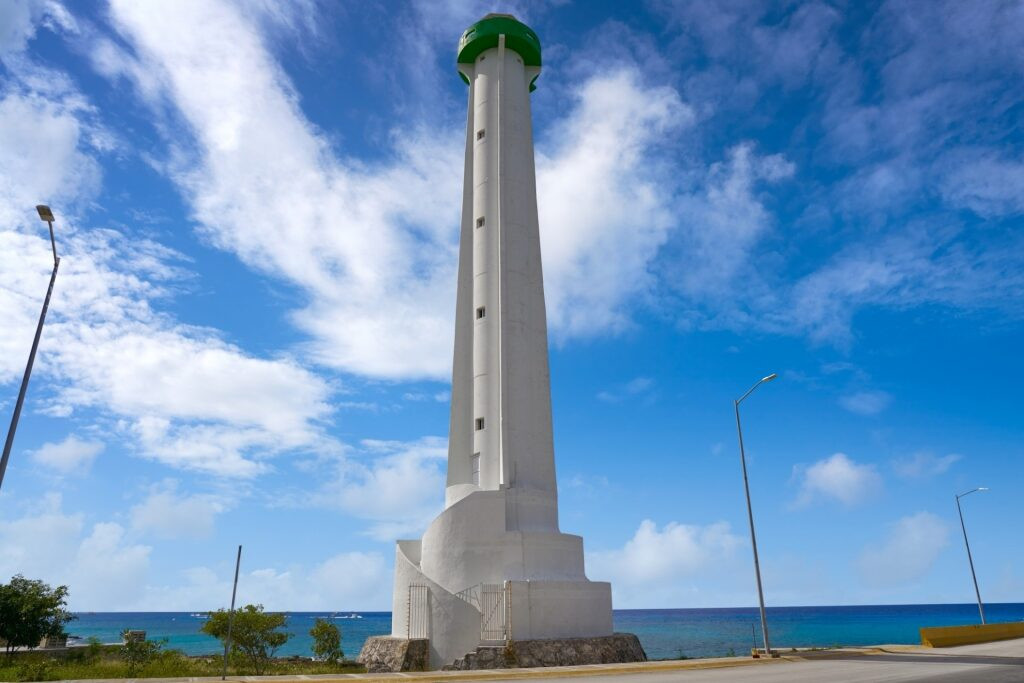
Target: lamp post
{"points": [[981, 609], [231, 615], [750, 511], [46, 215]]}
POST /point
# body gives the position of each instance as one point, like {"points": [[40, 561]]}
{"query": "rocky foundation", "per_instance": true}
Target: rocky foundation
{"points": [[387, 654], [613, 649]]}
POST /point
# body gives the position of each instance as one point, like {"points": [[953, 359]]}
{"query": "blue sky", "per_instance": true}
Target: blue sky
{"points": [[250, 335]]}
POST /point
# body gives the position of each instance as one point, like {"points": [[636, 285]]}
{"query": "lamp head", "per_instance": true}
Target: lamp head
{"points": [[45, 213], [983, 488], [770, 377]]}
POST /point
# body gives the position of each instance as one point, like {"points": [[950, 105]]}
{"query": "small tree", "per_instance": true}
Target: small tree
{"points": [[254, 633], [326, 641], [137, 652], [30, 611]]}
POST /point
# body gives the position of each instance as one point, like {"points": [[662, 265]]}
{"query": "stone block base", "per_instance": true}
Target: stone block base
{"points": [[613, 649], [387, 654]]}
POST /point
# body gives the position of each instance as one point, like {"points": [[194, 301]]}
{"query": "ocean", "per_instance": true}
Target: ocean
{"points": [[664, 633]]}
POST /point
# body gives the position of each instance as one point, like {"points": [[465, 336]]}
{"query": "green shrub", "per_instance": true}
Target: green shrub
{"points": [[138, 653], [35, 669], [254, 634], [326, 641]]}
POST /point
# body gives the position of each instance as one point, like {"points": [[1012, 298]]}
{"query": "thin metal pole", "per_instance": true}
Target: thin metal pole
{"points": [[753, 536], [963, 527], [231, 614], [53, 243], [31, 361]]}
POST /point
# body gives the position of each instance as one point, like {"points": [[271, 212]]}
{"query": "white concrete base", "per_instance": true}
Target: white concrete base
{"points": [[497, 536], [453, 626], [559, 609], [479, 540]]}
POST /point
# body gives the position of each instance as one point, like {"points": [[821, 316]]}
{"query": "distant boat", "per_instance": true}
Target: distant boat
{"points": [[199, 615], [350, 616]]}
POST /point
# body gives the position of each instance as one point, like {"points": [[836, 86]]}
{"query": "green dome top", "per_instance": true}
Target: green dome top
{"points": [[483, 35]]}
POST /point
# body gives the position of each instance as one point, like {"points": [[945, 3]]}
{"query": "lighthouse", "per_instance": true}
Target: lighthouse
{"points": [[494, 568]]}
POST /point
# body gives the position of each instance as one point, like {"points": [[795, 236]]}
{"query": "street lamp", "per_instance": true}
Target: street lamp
{"points": [[750, 511], [981, 609], [47, 215]]}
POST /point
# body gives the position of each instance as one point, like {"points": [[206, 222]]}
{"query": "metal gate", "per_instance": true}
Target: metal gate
{"points": [[493, 612], [417, 616]]}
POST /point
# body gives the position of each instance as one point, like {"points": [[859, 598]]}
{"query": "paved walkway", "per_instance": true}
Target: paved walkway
{"points": [[1000, 662]]}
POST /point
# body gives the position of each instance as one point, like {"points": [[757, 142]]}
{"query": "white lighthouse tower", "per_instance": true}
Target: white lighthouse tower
{"points": [[494, 566]]}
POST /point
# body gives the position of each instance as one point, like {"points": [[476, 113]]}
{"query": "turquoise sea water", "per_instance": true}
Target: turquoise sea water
{"points": [[664, 633]]}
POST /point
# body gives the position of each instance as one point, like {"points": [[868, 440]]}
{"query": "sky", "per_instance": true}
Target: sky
{"points": [[250, 335]]}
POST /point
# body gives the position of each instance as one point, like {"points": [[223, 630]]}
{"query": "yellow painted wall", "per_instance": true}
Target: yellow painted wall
{"points": [[948, 636]]}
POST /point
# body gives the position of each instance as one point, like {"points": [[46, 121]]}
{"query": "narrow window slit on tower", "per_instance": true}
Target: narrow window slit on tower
{"points": [[481, 312], [480, 222], [474, 466], [479, 423], [480, 134]]}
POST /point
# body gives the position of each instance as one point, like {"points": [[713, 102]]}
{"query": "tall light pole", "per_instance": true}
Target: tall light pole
{"points": [[46, 215], [981, 609], [750, 511], [231, 615]]}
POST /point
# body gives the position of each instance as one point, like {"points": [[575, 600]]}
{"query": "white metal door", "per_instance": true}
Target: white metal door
{"points": [[493, 612]]}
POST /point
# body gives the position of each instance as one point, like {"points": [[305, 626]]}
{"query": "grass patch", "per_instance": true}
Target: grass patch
{"points": [[107, 662]]}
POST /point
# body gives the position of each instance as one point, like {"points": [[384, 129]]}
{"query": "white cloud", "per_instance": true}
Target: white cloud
{"points": [[181, 394], [907, 554], [938, 69], [72, 455], [753, 46], [42, 158], [838, 478], [378, 261], [400, 489], [380, 279], [655, 566], [17, 25], [345, 581], [106, 570], [635, 387], [102, 569], [866, 402], [40, 544], [920, 265], [438, 396], [191, 400], [381, 275], [988, 185], [923, 464], [601, 192], [168, 514], [723, 222]]}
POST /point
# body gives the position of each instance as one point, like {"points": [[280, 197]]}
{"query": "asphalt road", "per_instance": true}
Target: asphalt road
{"points": [[990, 662]]}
